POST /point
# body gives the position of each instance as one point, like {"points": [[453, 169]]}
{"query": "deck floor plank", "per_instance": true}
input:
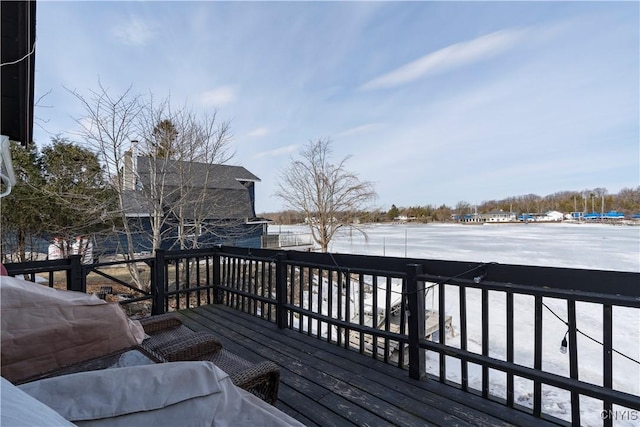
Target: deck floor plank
{"points": [[425, 389], [335, 384], [457, 414], [323, 384], [388, 400]]}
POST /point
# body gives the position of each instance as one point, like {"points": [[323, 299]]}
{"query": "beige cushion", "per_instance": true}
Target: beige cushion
{"points": [[44, 329]]}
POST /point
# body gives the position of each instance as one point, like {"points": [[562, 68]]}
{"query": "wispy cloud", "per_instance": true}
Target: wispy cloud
{"points": [[134, 32], [369, 127], [456, 55], [508, 86], [281, 151], [259, 132], [219, 96]]}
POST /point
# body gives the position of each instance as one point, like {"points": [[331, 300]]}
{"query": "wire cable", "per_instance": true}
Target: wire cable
{"points": [[33, 49], [589, 337], [477, 280]]}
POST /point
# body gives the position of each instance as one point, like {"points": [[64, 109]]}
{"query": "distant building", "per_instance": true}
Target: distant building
{"points": [[404, 218], [474, 217], [577, 216], [494, 216], [498, 216], [553, 216], [550, 216]]}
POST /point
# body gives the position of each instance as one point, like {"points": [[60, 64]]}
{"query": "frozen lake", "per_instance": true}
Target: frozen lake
{"points": [[592, 246]]}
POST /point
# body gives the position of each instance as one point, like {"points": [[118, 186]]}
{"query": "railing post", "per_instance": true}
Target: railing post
{"points": [[218, 296], [76, 280], [281, 291], [416, 319], [158, 283]]}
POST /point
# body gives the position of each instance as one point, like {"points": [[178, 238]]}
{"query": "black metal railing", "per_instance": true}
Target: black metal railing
{"points": [[75, 276], [557, 296], [380, 306], [489, 329]]}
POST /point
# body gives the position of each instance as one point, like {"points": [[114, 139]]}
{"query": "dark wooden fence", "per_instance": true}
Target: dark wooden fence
{"points": [[405, 312]]}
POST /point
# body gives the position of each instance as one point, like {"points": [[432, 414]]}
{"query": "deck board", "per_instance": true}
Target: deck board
{"points": [[323, 384]]}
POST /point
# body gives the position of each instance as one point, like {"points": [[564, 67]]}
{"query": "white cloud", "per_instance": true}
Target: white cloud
{"points": [[219, 96], [135, 32], [369, 127], [278, 151], [456, 55], [259, 132]]}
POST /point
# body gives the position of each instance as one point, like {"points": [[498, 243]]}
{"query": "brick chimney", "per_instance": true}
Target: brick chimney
{"points": [[129, 173]]}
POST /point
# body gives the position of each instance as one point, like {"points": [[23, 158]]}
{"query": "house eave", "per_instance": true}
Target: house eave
{"points": [[17, 73], [258, 221]]}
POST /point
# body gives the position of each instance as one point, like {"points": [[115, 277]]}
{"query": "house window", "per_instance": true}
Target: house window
{"points": [[189, 230]]}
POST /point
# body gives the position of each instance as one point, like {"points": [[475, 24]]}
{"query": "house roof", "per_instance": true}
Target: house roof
{"points": [[196, 174], [226, 189], [17, 73], [217, 204], [135, 204], [500, 213]]}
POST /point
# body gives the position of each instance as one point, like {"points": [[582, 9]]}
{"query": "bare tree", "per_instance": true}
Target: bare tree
{"points": [[328, 194], [628, 200], [107, 126], [203, 141], [463, 208], [600, 193], [179, 147], [174, 144]]}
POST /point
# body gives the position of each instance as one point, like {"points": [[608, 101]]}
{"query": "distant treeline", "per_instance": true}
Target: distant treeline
{"points": [[626, 201]]}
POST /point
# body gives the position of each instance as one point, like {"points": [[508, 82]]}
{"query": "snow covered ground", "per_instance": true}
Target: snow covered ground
{"points": [[591, 246]]}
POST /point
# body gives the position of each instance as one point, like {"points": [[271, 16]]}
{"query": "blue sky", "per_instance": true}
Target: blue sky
{"points": [[437, 102]]}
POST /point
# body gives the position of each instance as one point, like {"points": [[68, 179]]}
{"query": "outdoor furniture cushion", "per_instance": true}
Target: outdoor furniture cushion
{"points": [[175, 342], [169, 394], [20, 409], [44, 329], [163, 329], [260, 379]]}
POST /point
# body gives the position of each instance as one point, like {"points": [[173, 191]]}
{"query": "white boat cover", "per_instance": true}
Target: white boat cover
{"points": [[44, 329], [165, 394], [18, 409]]}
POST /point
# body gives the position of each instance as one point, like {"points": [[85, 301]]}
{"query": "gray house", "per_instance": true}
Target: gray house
{"points": [[197, 204]]}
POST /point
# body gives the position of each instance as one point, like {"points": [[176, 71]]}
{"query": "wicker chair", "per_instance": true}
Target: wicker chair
{"points": [[143, 356], [163, 330], [175, 342]]}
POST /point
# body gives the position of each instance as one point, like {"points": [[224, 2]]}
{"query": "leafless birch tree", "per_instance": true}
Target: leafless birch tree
{"points": [[328, 194]]}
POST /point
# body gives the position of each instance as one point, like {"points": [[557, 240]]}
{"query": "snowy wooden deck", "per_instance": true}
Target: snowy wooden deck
{"points": [[322, 384]]}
